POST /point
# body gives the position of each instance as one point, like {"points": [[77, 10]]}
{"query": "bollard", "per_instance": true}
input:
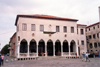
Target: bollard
{"points": [[12, 60], [7, 60]]}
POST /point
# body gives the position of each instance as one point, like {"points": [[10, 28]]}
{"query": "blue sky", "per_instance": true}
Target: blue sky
{"points": [[86, 11]]}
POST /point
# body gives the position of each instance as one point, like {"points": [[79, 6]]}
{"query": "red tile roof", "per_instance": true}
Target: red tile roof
{"points": [[12, 36], [45, 17], [93, 24]]}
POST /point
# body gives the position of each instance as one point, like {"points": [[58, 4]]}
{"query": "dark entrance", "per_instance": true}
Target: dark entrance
{"points": [[57, 48], [72, 46], [23, 46], [41, 48], [50, 48], [79, 50], [65, 46], [32, 46]]}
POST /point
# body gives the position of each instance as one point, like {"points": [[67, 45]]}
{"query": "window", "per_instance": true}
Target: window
{"points": [[57, 28], [98, 26], [24, 27], [41, 28], [91, 50], [90, 45], [65, 29], [72, 29], [82, 42], [90, 37], [98, 35], [89, 29], [82, 31], [99, 44], [32, 27], [93, 35], [95, 45], [93, 27]]}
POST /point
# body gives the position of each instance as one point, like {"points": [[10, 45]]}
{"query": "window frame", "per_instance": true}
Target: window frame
{"points": [[94, 36], [33, 27], [82, 42], [82, 31], [24, 27], [65, 28], [95, 45], [90, 45], [41, 27], [57, 29], [72, 29]]}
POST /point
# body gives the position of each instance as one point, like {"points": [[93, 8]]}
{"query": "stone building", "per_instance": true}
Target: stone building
{"points": [[45, 35], [93, 40]]}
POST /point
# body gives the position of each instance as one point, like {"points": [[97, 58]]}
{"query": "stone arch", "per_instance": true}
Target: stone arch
{"points": [[58, 48], [72, 46], [41, 47], [23, 46], [50, 47], [32, 46]]}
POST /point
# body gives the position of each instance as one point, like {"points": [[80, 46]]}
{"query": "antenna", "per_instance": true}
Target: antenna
{"points": [[99, 13]]}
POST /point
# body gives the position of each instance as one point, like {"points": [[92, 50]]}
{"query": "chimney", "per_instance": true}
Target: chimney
{"points": [[99, 13]]}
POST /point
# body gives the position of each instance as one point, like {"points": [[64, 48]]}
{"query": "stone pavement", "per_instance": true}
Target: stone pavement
{"points": [[53, 62]]}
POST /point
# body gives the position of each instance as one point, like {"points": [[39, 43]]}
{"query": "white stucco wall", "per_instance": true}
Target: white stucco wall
{"points": [[38, 35]]}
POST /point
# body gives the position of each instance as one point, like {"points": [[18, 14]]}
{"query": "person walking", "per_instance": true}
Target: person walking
{"points": [[87, 58], [2, 56], [0, 60], [83, 56], [76, 54]]}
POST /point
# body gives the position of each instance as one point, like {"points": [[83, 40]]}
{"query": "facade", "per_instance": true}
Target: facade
{"points": [[12, 45], [81, 38], [93, 38], [45, 35]]}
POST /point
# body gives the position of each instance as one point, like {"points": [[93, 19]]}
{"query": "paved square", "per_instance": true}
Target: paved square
{"points": [[54, 62]]}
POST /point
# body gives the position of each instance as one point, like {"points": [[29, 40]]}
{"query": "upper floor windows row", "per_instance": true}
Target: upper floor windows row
{"points": [[94, 27], [94, 36], [95, 45], [33, 28]]}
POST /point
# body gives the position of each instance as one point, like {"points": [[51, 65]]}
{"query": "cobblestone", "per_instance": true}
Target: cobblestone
{"points": [[53, 62]]}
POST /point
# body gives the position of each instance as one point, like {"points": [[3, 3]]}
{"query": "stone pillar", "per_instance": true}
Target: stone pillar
{"points": [[69, 49], [37, 49], [45, 50], [28, 51], [53, 49], [77, 50], [61, 49], [18, 48]]}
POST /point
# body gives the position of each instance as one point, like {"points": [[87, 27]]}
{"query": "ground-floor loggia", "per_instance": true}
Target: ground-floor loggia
{"points": [[49, 48]]}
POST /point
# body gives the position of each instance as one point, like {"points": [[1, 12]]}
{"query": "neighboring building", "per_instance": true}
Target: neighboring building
{"points": [[45, 35], [81, 38], [93, 38], [12, 45]]}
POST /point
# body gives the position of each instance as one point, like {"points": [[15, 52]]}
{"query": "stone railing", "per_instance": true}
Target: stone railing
{"points": [[65, 53], [72, 53], [33, 54], [23, 54]]}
